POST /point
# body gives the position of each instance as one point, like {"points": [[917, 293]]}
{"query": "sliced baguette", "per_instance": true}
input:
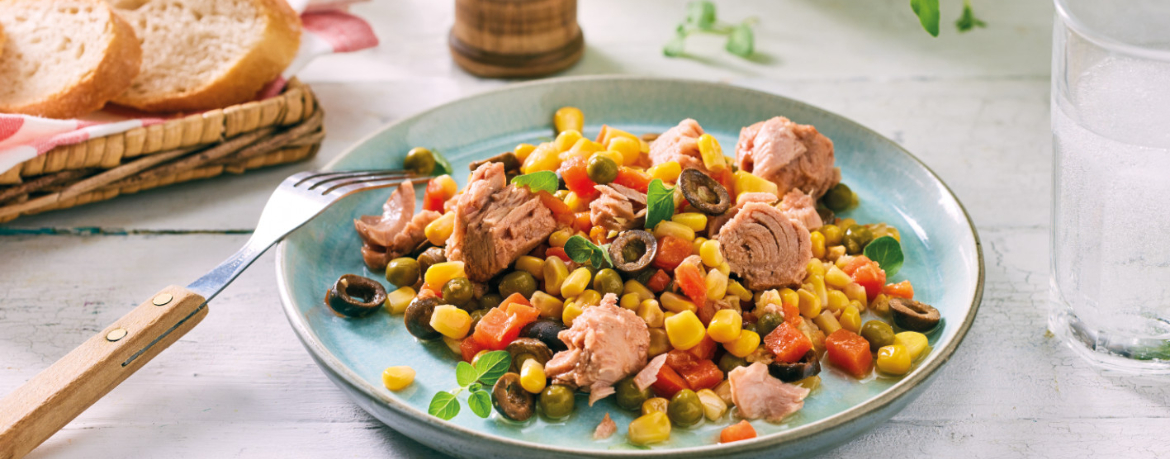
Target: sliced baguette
{"points": [[205, 54], [88, 56]]}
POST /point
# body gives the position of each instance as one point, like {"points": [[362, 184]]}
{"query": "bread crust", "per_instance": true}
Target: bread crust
{"points": [[112, 76], [241, 83]]}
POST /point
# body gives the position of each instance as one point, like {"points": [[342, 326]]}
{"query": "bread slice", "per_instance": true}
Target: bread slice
{"points": [[205, 54], [86, 57]]}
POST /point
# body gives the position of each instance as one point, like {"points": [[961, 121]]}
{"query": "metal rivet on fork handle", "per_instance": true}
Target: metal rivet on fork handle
{"points": [[162, 299], [116, 334]]}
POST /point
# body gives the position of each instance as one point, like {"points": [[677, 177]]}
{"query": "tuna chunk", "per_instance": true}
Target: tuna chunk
{"points": [[758, 395], [496, 223], [788, 154], [605, 429], [765, 247], [802, 208], [648, 375], [605, 344], [714, 224], [394, 233], [679, 144], [618, 208]]}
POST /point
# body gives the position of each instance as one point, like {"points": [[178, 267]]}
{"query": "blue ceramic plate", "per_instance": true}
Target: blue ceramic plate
{"points": [[943, 259]]}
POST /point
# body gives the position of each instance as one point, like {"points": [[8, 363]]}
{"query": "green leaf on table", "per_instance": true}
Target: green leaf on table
{"points": [[741, 42], [444, 406], [675, 47], [538, 181], [491, 366], [701, 14], [480, 403], [887, 252], [582, 250], [442, 165], [465, 374], [968, 20], [659, 203], [928, 15]]}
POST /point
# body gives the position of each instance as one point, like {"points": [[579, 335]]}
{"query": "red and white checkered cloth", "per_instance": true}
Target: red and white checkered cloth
{"points": [[328, 29]]}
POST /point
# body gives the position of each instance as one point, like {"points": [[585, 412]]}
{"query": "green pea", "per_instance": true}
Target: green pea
{"points": [[750, 326], [629, 396], [685, 409], [556, 401], [420, 160], [520, 282], [601, 169], [431, 256], [476, 315], [855, 239], [402, 272], [458, 291], [730, 362], [838, 198], [608, 281], [878, 334], [768, 322], [490, 300]]}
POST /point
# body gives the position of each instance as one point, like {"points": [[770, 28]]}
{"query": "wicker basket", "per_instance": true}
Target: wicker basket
{"points": [[277, 130]]}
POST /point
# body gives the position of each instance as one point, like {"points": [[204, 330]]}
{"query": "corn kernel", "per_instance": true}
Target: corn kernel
{"points": [[725, 326], [789, 296], [684, 330], [439, 273], [827, 322], [818, 287], [743, 346], [566, 139], [856, 292], [544, 158], [837, 278], [894, 359], [612, 155], [810, 383], [651, 313], [723, 390], [809, 304], [716, 284], [818, 244], [455, 345], [843, 260], [559, 237], [667, 172], [555, 273], [633, 286], [451, 321], [589, 298], [569, 118], [531, 265], [655, 405], [747, 182], [834, 253], [438, 230], [397, 378], [644, 145], [549, 306], [523, 150], [693, 220], [575, 203], [583, 148], [649, 429], [576, 283], [659, 342], [857, 304], [712, 253], [398, 300], [678, 230], [837, 300], [833, 234], [914, 342], [630, 301], [850, 319], [814, 268], [532, 377], [571, 311], [711, 152], [697, 245], [447, 184], [713, 407], [880, 304], [676, 303], [737, 289], [627, 147]]}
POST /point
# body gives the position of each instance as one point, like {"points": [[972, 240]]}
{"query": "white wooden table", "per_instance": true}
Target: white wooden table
{"points": [[974, 107]]}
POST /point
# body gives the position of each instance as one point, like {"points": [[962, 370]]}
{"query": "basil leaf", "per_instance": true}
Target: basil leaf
{"points": [[442, 166], [674, 47], [475, 386], [887, 252], [701, 14], [659, 204], [538, 181], [927, 11], [741, 42], [465, 374], [581, 250], [480, 403], [968, 20], [491, 366], [444, 406]]}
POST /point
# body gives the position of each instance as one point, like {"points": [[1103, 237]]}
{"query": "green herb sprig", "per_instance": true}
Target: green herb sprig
{"points": [[887, 252], [701, 18], [538, 181], [928, 15], [472, 378], [659, 203], [582, 250]]}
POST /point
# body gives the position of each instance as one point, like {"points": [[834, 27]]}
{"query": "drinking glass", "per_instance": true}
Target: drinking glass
{"points": [[1110, 272]]}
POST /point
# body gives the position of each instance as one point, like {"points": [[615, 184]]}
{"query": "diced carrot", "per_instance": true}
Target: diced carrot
{"points": [[436, 291], [742, 430], [582, 222], [850, 352], [435, 197], [901, 290], [561, 211], [788, 343], [726, 178], [872, 278], [501, 325], [468, 348], [577, 178], [681, 360], [671, 252], [658, 281], [516, 298], [856, 262], [792, 314], [704, 374], [690, 279], [705, 349], [558, 252], [669, 382], [632, 178]]}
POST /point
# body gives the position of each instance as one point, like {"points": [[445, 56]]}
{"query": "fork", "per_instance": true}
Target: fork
{"points": [[43, 405]]}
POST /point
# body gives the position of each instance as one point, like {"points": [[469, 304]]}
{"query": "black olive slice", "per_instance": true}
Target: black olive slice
{"points": [[355, 296], [791, 372], [511, 400], [528, 348], [508, 159], [418, 318], [633, 250], [704, 193], [913, 315], [547, 331]]}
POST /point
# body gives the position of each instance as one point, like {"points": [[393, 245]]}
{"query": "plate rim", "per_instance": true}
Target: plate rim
{"points": [[329, 362]]}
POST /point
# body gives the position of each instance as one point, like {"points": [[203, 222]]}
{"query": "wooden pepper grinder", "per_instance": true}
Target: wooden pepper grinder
{"points": [[516, 38]]}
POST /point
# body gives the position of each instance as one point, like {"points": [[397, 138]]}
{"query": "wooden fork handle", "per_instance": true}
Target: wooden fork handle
{"points": [[43, 405]]}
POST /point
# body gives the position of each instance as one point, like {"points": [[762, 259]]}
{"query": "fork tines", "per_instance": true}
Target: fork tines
{"points": [[327, 182]]}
